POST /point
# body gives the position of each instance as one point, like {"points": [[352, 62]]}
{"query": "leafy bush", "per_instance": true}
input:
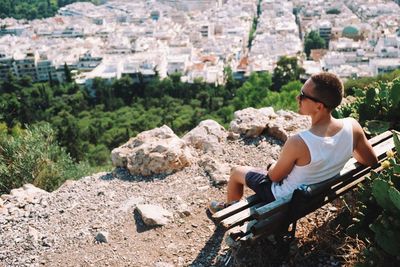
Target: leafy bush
{"points": [[33, 156], [378, 214], [286, 99], [377, 107], [333, 11], [365, 82]]}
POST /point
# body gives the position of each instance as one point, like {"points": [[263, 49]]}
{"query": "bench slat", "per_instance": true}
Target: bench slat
{"points": [[380, 138], [238, 232], [240, 217], [237, 207], [269, 225]]}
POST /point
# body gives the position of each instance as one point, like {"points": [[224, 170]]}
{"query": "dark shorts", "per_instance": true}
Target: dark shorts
{"points": [[260, 184]]}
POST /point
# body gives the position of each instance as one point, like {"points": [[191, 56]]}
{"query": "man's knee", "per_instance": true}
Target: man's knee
{"points": [[239, 172]]}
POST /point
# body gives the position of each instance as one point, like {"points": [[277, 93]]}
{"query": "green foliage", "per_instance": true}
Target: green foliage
{"points": [[377, 219], [333, 11], [253, 91], [33, 156], [287, 69], [377, 106], [286, 99], [365, 82], [312, 40], [33, 9], [67, 73], [254, 24]]}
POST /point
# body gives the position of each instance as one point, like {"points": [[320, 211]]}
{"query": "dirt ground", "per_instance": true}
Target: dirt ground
{"points": [[60, 228]]}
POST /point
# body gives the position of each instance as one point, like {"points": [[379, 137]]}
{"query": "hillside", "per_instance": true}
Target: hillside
{"points": [[61, 228]]}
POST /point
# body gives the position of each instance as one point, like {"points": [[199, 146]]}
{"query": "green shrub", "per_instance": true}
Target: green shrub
{"points": [[364, 82], [285, 99], [33, 156], [377, 219], [377, 107]]}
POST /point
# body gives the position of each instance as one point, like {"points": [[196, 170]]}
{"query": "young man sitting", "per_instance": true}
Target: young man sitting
{"points": [[308, 157]]}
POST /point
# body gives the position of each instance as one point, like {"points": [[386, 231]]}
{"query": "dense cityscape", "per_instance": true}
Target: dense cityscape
{"points": [[122, 122], [200, 38]]}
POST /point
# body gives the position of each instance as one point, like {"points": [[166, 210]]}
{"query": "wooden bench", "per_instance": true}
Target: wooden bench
{"points": [[250, 218]]}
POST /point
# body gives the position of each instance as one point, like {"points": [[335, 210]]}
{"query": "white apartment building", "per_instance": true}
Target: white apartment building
{"points": [[388, 46], [87, 62], [384, 65], [25, 65], [190, 5], [45, 70], [6, 65], [177, 63]]}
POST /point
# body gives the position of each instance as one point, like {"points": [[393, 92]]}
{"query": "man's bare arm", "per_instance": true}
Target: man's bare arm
{"points": [[363, 151], [286, 161]]}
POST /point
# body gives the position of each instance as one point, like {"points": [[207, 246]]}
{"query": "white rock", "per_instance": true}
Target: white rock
{"points": [[3, 211], [26, 194], [288, 123], [153, 215], [130, 203], [5, 197], [219, 172], [153, 152], [207, 136], [33, 234], [268, 111], [250, 121]]}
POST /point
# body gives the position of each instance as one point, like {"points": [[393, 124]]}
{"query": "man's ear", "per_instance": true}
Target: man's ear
{"points": [[320, 106]]}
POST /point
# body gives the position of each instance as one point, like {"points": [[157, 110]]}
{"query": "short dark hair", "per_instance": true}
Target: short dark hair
{"points": [[328, 88]]}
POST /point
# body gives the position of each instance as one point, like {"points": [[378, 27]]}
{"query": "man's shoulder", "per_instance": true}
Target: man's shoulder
{"points": [[296, 140]]}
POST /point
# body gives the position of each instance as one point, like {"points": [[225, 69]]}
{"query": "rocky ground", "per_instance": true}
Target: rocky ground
{"points": [[95, 221]]}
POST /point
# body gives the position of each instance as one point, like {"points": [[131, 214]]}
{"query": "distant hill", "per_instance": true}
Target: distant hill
{"points": [[34, 9]]}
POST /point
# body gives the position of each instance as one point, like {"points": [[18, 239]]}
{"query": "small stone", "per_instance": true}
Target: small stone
{"points": [[130, 203], [332, 208], [6, 196], [203, 188], [102, 237], [33, 234], [3, 211], [153, 215], [198, 178], [233, 136]]}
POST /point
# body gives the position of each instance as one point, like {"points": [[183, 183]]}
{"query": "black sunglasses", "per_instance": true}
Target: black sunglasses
{"points": [[303, 95]]}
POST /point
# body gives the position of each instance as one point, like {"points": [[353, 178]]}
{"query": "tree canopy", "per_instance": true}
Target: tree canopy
{"points": [[287, 69], [33, 9], [313, 41]]}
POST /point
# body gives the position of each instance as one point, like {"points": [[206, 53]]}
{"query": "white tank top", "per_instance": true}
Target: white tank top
{"points": [[328, 157]]}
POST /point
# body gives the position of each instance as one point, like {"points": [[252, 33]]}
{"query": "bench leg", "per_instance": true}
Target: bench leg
{"points": [[285, 237], [292, 233]]}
